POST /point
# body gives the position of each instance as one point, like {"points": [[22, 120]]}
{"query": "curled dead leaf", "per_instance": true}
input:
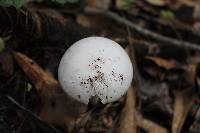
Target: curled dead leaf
{"points": [[157, 2], [167, 64], [100, 4], [83, 20], [182, 105], [6, 64], [57, 107]]}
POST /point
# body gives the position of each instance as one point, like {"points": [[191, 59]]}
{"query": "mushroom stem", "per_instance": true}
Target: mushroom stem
{"points": [[94, 102]]}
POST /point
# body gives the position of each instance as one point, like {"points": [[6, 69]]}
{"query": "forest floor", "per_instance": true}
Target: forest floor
{"points": [[162, 38]]}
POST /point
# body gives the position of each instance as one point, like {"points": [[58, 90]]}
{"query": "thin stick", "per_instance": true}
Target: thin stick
{"points": [[175, 25], [147, 33]]}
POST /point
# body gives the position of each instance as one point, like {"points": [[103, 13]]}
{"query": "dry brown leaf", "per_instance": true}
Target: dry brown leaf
{"points": [[195, 127], [162, 62], [157, 2], [149, 126], [196, 24], [191, 73], [100, 4], [123, 4], [194, 59], [182, 105], [93, 21], [57, 107], [108, 121], [127, 121], [83, 20], [174, 4], [196, 14], [6, 64]]}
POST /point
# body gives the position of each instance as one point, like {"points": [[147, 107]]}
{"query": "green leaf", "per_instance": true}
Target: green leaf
{"points": [[29, 87], [64, 1], [124, 4], [167, 14], [127, 4], [6, 3], [15, 3], [18, 3], [72, 1]]}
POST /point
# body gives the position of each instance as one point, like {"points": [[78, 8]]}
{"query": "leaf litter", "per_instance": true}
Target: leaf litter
{"points": [[165, 99]]}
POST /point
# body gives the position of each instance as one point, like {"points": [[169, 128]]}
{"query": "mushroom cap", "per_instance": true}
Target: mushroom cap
{"points": [[95, 66]]}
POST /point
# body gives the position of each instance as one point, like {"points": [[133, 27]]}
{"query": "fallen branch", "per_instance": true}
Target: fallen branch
{"points": [[147, 33], [174, 25]]}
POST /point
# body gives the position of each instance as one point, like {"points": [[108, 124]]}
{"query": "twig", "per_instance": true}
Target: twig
{"points": [[176, 25], [147, 33], [127, 118], [45, 125], [136, 79]]}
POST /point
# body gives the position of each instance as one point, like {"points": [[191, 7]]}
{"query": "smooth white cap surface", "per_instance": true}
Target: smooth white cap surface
{"points": [[95, 66]]}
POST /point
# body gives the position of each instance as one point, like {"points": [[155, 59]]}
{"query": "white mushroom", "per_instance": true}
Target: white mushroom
{"points": [[95, 66]]}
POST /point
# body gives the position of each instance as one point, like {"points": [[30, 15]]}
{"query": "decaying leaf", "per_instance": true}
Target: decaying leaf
{"points": [[65, 1], [155, 95], [127, 121], [193, 74], [2, 44], [162, 62], [173, 4], [182, 105], [100, 4], [57, 107], [155, 72], [196, 14], [157, 2], [91, 21], [6, 64], [108, 121], [167, 14], [149, 126], [83, 20], [124, 4], [195, 127], [198, 80]]}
